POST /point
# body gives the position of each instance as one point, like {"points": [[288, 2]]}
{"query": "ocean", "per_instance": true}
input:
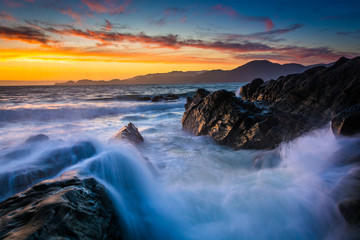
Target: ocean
{"points": [[197, 189]]}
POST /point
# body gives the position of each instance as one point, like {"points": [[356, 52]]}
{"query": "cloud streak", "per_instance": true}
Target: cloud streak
{"points": [[269, 25], [107, 6]]}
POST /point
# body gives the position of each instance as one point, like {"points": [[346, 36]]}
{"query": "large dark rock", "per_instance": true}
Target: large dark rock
{"points": [[239, 124], [317, 93], [129, 133], [64, 208], [347, 122]]}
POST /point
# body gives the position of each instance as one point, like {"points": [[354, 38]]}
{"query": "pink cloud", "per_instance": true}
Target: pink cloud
{"points": [[225, 10], [183, 19], [74, 15], [231, 12], [7, 16], [107, 6]]}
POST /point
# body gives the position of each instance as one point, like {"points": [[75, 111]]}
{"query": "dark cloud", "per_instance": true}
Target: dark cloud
{"points": [[25, 34]]}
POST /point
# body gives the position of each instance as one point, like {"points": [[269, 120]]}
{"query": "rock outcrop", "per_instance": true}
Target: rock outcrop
{"points": [[239, 124], [316, 94], [277, 110], [128, 133], [64, 208]]}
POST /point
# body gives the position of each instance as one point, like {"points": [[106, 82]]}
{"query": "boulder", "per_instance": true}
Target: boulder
{"points": [[347, 122], [144, 99], [129, 133], [37, 138], [63, 208], [157, 98], [170, 97], [239, 124]]}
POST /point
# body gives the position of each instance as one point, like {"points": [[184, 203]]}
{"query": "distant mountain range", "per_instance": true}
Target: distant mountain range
{"points": [[255, 69]]}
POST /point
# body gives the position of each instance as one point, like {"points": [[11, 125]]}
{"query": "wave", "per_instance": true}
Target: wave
{"points": [[81, 112]]}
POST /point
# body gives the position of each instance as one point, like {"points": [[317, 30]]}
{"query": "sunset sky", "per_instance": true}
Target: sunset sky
{"points": [[43, 40]]}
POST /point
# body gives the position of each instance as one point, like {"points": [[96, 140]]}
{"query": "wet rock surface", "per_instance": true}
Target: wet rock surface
{"points": [[239, 124], [128, 133], [63, 208], [318, 93], [278, 110]]}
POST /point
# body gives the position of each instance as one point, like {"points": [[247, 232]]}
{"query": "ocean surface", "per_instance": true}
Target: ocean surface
{"points": [[196, 188]]}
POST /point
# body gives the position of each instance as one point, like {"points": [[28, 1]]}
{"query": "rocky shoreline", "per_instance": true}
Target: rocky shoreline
{"points": [[265, 115], [269, 113]]}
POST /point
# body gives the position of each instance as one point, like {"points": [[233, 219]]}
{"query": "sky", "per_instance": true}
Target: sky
{"points": [[53, 41]]}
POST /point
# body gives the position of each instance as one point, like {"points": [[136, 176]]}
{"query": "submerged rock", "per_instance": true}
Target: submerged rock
{"points": [[37, 138], [63, 208], [49, 165], [350, 209], [129, 133], [347, 122], [239, 124]]}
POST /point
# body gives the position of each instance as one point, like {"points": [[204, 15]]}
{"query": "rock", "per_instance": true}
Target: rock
{"points": [[144, 99], [350, 209], [63, 208], [250, 89], [316, 94], [129, 133], [20, 179], [239, 124], [170, 97], [157, 98], [347, 122], [37, 138], [200, 94]]}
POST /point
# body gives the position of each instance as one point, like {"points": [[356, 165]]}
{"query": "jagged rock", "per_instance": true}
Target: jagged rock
{"points": [[129, 133], [63, 208], [317, 93], [20, 179], [239, 124], [250, 89], [37, 138], [347, 122], [200, 94]]}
